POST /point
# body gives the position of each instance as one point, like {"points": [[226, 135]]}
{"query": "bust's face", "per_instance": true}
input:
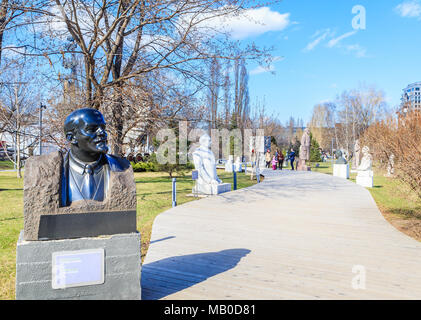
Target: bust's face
{"points": [[90, 133]]}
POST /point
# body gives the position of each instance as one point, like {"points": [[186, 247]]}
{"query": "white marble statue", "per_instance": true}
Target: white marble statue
{"points": [[391, 165], [237, 165], [204, 162], [365, 172], [366, 161], [229, 163]]}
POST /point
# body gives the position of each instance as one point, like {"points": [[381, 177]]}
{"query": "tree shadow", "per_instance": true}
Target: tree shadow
{"points": [[170, 275]]}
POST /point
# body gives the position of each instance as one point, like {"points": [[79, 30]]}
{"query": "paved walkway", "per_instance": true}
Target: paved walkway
{"points": [[297, 235]]}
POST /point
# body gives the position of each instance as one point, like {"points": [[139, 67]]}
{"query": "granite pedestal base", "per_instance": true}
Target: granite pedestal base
{"points": [[365, 178], [212, 189], [122, 268], [341, 170]]}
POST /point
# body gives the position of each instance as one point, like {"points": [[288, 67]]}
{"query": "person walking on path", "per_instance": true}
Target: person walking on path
{"points": [[281, 159], [268, 158], [292, 158], [274, 162]]}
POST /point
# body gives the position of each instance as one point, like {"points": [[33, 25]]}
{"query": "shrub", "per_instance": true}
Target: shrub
{"points": [[401, 137]]}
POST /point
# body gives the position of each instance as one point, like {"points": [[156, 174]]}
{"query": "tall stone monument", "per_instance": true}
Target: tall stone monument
{"points": [[304, 151], [365, 172], [391, 166], [79, 239], [356, 157], [204, 162]]}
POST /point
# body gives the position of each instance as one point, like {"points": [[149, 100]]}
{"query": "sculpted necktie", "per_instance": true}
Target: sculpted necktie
{"points": [[88, 187]]}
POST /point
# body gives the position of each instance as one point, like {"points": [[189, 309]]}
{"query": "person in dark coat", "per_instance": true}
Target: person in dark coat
{"points": [[292, 158], [281, 159]]}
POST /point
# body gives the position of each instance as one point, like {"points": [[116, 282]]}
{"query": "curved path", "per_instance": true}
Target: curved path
{"points": [[297, 235]]}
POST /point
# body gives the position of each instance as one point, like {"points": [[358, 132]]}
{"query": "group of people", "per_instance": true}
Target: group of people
{"points": [[278, 159]]}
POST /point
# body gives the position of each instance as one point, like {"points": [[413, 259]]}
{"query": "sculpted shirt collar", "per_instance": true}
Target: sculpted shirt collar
{"points": [[82, 167]]}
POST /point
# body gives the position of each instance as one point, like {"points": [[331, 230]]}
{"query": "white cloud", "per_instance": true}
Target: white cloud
{"points": [[409, 9], [333, 42], [260, 69], [252, 22], [320, 35], [270, 68], [359, 51]]}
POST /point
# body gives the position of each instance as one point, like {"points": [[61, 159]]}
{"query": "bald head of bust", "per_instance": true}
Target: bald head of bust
{"points": [[85, 130]]}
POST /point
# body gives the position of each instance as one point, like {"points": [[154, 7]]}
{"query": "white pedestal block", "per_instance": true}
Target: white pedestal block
{"points": [[212, 189], [365, 178], [341, 170]]}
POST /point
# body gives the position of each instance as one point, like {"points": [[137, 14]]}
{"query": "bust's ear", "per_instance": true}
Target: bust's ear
{"points": [[71, 138]]}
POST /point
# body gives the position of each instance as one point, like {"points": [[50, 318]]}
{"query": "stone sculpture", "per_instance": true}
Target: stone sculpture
{"points": [[237, 165], [229, 163], [304, 151], [391, 166], [82, 205], [356, 158], [365, 173], [204, 162], [339, 158], [341, 166], [84, 179]]}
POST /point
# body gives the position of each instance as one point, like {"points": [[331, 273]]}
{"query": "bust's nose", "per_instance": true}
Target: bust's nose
{"points": [[102, 133]]}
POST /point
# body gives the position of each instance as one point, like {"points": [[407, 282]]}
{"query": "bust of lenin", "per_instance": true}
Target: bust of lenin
{"points": [[87, 165], [81, 180]]}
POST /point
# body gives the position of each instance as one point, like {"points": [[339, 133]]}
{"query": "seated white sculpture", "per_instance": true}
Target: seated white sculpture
{"points": [[204, 162], [365, 172]]}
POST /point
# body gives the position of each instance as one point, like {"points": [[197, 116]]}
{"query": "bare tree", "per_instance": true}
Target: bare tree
{"points": [[124, 40]]}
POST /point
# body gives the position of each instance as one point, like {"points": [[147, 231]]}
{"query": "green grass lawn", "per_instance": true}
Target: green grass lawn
{"points": [[153, 197], [6, 165]]}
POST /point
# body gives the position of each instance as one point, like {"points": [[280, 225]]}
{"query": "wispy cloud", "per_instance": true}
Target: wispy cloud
{"points": [[356, 49], [318, 37], [263, 69], [333, 42], [409, 9]]}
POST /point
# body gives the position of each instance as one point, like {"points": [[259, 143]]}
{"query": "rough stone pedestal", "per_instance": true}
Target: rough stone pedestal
{"points": [[122, 267], [365, 178], [212, 189], [341, 170], [302, 166]]}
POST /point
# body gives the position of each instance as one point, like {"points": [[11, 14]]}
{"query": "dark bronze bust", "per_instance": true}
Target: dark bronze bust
{"points": [[82, 192], [339, 158], [87, 166]]}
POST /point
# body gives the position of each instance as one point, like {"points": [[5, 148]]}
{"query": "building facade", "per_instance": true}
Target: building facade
{"points": [[411, 97]]}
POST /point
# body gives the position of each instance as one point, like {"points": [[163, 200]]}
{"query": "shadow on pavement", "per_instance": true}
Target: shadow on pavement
{"points": [[167, 276]]}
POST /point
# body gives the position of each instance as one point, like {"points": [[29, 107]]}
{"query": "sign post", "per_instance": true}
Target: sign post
{"points": [[174, 192]]}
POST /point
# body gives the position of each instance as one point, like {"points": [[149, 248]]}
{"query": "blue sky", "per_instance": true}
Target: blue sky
{"points": [[319, 54]]}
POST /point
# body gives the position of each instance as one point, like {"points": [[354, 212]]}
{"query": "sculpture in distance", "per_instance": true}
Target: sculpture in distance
{"points": [[83, 180], [339, 158], [204, 162], [365, 172], [304, 151], [356, 157]]}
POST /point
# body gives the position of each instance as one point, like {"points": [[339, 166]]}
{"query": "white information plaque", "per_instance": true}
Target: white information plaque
{"points": [[77, 268]]}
